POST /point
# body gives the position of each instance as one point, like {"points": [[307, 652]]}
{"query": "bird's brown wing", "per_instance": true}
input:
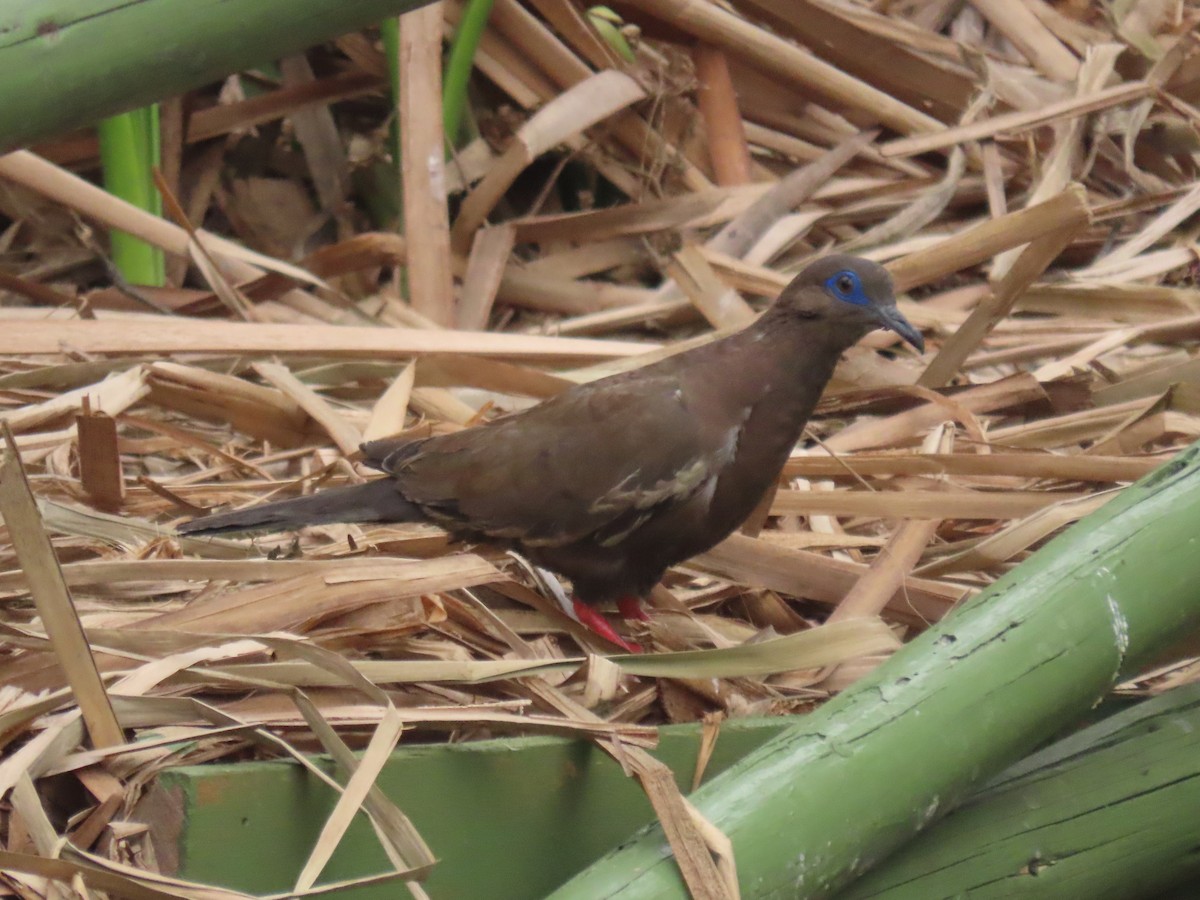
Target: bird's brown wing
{"points": [[593, 462]]}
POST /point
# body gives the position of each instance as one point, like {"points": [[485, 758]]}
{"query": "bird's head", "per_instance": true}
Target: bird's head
{"points": [[850, 293]]}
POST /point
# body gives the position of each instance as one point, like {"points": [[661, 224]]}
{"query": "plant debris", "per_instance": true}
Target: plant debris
{"points": [[634, 182]]}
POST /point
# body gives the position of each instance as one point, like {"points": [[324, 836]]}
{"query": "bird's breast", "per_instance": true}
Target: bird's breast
{"points": [[771, 430]]}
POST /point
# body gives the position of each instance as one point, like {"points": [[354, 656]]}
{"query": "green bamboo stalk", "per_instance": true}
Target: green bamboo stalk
{"points": [[130, 149], [389, 30], [458, 66], [72, 64], [825, 801], [1107, 814], [386, 198]]}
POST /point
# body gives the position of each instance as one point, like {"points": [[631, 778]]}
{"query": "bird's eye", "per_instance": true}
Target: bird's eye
{"points": [[847, 287]]}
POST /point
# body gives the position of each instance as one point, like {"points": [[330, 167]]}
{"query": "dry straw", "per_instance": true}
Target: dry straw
{"points": [[1029, 179]]}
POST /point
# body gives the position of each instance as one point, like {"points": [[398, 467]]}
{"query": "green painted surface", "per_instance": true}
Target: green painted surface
{"points": [[68, 63], [832, 796], [506, 818]]}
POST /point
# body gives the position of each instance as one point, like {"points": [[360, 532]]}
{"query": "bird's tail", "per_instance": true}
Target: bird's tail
{"points": [[375, 501]]}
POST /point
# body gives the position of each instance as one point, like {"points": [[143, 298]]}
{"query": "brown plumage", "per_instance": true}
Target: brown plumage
{"points": [[612, 482]]}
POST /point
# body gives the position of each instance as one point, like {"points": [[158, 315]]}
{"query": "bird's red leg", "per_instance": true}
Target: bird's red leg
{"points": [[593, 621], [630, 607]]}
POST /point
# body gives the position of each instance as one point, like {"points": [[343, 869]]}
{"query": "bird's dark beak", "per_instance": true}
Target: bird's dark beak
{"points": [[892, 319]]}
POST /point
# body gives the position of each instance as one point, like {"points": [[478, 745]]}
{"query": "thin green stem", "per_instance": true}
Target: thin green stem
{"points": [[458, 67], [389, 29], [129, 150]]}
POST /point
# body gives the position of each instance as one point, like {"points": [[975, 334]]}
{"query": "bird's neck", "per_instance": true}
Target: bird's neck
{"points": [[775, 372], [793, 358], [789, 364]]}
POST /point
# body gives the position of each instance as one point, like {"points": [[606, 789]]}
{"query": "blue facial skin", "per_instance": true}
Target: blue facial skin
{"points": [[846, 285]]}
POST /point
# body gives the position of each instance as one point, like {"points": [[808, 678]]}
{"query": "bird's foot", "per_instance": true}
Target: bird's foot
{"points": [[595, 622], [631, 608]]}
